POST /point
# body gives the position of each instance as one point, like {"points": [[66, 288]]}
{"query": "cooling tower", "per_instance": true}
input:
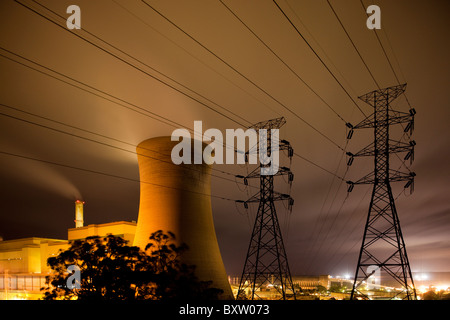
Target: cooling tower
{"points": [[176, 198]]}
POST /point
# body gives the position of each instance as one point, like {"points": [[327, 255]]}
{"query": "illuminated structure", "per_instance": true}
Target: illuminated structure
{"points": [[79, 217], [312, 282], [176, 198], [23, 262]]}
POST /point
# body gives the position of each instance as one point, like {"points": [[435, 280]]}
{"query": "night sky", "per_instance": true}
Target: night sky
{"points": [[79, 101]]}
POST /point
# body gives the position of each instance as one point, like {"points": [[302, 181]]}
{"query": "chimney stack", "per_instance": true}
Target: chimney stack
{"points": [[79, 220]]}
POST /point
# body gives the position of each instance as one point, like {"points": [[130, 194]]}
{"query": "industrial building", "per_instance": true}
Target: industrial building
{"points": [[312, 282]]}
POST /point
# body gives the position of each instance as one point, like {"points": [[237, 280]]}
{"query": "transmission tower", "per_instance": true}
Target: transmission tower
{"points": [[383, 258], [266, 265]]}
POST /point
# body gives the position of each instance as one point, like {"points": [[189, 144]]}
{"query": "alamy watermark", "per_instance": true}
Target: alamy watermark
{"points": [[374, 20], [74, 280], [262, 145], [74, 20]]}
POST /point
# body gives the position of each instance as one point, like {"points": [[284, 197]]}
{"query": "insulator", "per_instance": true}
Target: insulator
{"points": [[245, 205], [408, 155], [412, 111], [290, 176], [350, 160], [246, 181], [291, 152], [351, 185], [408, 184], [408, 127], [350, 134], [246, 158], [291, 204]]}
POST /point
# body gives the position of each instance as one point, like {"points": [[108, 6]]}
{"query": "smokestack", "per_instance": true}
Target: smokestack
{"points": [[182, 206], [79, 220]]}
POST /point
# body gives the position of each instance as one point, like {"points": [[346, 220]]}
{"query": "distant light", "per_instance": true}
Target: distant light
{"points": [[422, 276], [347, 276], [442, 287], [423, 289]]}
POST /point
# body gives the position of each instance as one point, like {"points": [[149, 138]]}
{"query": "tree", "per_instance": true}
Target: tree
{"points": [[109, 269], [171, 279], [338, 287], [321, 289]]}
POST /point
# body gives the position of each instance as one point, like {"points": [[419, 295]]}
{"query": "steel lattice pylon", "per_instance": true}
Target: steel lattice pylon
{"points": [[266, 263], [383, 258]]}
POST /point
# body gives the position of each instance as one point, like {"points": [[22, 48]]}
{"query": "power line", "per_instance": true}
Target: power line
{"points": [[353, 44], [152, 68], [320, 59], [147, 113], [169, 78], [319, 233], [318, 166], [102, 143], [192, 55], [242, 75], [386, 55], [103, 92], [311, 36], [150, 114], [93, 140], [283, 62], [110, 175], [130, 64]]}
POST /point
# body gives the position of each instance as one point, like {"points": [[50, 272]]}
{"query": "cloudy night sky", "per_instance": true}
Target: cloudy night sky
{"points": [[74, 104]]}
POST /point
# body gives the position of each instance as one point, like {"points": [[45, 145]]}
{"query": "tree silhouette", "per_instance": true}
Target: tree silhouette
{"points": [[171, 279], [112, 270]]}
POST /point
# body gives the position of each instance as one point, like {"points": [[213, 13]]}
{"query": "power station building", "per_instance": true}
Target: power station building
{"points": [[23, 262]]}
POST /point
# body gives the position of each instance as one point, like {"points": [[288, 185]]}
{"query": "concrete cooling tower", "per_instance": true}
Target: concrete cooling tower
{"points": [[182, 206]]}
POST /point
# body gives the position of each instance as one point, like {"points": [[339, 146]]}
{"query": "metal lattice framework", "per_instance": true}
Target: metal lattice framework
{"points": [[383, 257], [266, 264]]}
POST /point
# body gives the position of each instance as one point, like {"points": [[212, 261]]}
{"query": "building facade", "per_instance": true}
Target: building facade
{"points": [[23, 262]]}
